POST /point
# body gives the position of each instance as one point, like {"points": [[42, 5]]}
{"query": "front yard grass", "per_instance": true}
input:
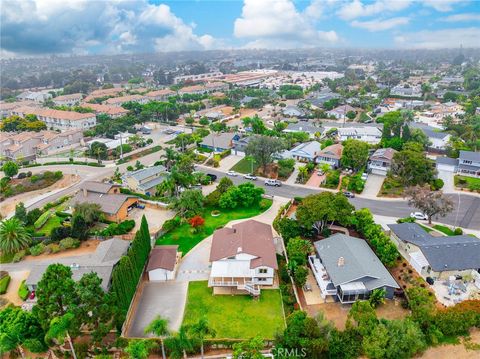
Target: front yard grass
{"points": [[391, 188], [187, 240], [444, 229], [244, 166], [237, 316], [471, 183]]}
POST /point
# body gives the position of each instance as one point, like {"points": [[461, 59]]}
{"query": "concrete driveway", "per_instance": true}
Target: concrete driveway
{"points": [[373, 186], [166, 299], [195, 265], [448, 181], [155, 217]]}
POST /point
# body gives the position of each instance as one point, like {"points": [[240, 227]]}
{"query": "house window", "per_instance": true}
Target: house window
{"points": [[263, 271], [261, 279]]}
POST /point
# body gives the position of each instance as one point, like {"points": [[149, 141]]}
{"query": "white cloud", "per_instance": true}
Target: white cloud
{"points": [[442, 5], [278, 24], [65, 26], [438, 39], [462, 17], [356, 8], [380, 25]]}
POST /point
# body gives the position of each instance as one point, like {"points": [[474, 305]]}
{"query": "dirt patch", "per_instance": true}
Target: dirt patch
{"points": [[88, 246], [335, 312], [458, 351], [9, 204], [391, 310]]}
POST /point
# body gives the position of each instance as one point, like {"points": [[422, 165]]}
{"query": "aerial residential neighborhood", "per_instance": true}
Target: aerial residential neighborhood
{"points": [[243, 179]]}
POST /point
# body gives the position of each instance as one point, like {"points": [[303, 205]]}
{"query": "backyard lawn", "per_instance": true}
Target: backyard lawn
{"points": [[187, 240], [244, 166], [238, 316]]}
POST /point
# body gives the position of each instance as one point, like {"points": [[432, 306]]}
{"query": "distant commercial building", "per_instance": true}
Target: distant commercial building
{"points": [[198, 77]]}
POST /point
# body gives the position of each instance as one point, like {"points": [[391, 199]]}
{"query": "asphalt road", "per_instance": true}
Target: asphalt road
{"points": [[466, 215]]}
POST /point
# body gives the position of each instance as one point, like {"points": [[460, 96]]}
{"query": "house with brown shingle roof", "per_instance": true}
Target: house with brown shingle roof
{"points": [[243, 258], [331, 155], [162, 263]]}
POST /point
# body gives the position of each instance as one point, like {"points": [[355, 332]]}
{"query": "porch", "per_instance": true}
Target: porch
{"points": [[327, 288]]}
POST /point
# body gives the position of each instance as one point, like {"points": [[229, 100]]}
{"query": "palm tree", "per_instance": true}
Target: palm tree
{"points": [[13, 236], [171, 156], [201, 330], [179, 343], [159, 327]]}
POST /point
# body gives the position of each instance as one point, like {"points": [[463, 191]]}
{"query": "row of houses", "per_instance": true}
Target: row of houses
{"points": [[467, 164], [28, 145]]}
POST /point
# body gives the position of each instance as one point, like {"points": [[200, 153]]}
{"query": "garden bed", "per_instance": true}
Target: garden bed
{"points": [[391, 188], [237, 316], [186, 240]]}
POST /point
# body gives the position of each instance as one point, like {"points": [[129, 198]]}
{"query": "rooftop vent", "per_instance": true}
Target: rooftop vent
{"points": [[341, 262]]}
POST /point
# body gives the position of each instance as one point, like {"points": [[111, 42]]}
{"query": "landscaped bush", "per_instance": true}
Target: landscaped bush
{"points": [[332, 179], [212, 199], [68, 243], [19, 256], [42, 219], [406, 220], [23, 291], [264, 204], [4, 281], [62, 214], [171, 224], [59, 233], [285, 167], [436, 184], [458, 231], [52, 248], [118, 229], [37, 249]]}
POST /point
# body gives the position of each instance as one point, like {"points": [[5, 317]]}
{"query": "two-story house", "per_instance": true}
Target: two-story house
{"points": [[146, 180], [469, 163], [331, 155], [243, 258], [160, 95], [68, 100], [119, 101], [381, 161]]}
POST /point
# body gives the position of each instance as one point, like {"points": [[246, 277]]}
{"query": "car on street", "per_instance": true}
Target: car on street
{"points": [[419, 215], [212, 177], [273, 182], [349, 194], [232, 173], [249, 176]]}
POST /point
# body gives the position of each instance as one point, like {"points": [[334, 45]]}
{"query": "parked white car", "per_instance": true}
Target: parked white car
{"points": [[419, 215], [232, 173], [364, 176], [273, 182], [249, 176]]}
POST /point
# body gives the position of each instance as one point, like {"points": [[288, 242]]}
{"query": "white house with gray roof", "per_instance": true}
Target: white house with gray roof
{"points": [[347, 269], [469, 163], [436, 257], [146, 180], [102, 261], [305, 152]]}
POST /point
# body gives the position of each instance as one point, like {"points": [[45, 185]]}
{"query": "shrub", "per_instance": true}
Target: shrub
{"points": [[126, 226], [37, 249], [59, 233], [436, 184], [171, 224], [212, 199], [19, 256], [42, 220], [264, 204], [68, 243], [458, 231], [4, 284], [406, 220], [35, 178], [23, 291], [52, 248], [29, 174]]}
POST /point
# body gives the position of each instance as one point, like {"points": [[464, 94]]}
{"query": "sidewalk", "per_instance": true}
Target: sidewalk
{"points": [[228, 162], [293, 176]]}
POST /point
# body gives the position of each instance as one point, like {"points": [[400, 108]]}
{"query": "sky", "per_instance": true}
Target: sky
{"points": [[42, 27]]}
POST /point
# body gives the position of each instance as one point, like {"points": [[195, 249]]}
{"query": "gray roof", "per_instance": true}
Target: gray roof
{"points": [[109, 203], [442, 253], [308, 149], [98, 187], [447, 161], [221, 140], [429, 131], [360, 263], [302, 126], [293, 111], [140, 175], [470, 156], [102, 261]]}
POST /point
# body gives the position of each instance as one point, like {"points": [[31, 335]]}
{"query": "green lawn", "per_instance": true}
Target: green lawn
{"points": [[244, 166], [53, 222], [426, 228], [473, 184], [187, 240], [444, 229], [238, 316]]}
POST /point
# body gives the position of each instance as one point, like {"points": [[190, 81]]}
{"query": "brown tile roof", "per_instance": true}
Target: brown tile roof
{"points": [[383, 153], [164, 257], [72, 96], [109, 110], [250, 237], [98, 187], [333, 151], [123, 99], [193, 88], [162, 92], [109, 203], [46, 112]]}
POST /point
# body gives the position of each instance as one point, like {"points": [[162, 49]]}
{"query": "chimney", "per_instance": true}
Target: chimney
{"points": [[84, 189], [341, 262]]}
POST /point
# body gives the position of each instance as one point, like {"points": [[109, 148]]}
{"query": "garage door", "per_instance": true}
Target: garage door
{"points": [[444, 167]]}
